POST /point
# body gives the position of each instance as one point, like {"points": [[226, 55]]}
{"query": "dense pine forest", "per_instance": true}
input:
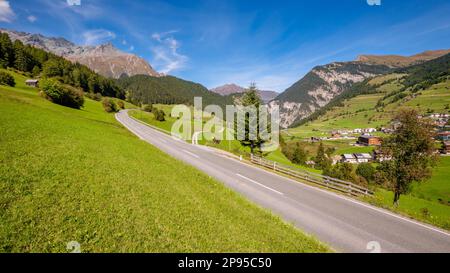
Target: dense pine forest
{"points": [[35, 62]]}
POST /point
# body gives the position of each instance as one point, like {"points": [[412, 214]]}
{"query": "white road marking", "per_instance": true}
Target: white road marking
{"points": [[253, 181], [191, 154]]}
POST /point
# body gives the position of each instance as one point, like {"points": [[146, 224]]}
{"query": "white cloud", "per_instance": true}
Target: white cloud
{"points": [[6, 13], [32, 18], [74, 2], [98, 36], [166, 56], [131, 48]]}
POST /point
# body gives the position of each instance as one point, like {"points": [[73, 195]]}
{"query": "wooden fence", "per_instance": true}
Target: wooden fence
{"points": [[322, 180]]}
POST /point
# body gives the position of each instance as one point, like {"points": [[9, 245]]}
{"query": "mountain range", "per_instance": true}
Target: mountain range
{"points": [[324, 83], [104, 59], [402, 61], [230, 89], [310, 94]]}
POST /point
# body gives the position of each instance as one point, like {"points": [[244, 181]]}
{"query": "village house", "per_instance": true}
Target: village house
{"points": [[439, 116], [32, 83], [446, 147], [369, 130], [349, 158], [443, 136], [336, 135], [363, 158], [367, 140], [379, 156]]}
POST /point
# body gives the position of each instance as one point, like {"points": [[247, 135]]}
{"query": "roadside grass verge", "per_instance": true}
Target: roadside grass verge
{"points": [[78, 175], [416, 208]]}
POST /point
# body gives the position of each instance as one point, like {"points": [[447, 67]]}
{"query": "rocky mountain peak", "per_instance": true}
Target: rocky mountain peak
{"points": [[104, 59]]}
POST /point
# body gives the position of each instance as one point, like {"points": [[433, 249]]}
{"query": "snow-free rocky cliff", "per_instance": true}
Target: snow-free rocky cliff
{"points": [[319, 87]]}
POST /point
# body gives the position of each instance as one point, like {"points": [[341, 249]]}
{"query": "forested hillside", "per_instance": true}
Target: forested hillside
{"points": [[37, 62], [168, 90], [403, 85]]}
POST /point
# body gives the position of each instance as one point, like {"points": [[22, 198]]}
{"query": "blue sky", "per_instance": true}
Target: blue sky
{"points": [[272, 43]]}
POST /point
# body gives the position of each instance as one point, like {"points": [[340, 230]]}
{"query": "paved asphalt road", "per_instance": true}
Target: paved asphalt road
{"points": [[343, 223]]}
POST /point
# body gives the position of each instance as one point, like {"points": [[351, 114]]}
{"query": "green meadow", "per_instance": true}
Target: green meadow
{"points": [[428, 202], [78, 175], [360, 111]]}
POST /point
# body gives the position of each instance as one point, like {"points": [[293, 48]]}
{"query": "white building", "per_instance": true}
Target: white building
{"points": [[363, 158], [349, 158]]}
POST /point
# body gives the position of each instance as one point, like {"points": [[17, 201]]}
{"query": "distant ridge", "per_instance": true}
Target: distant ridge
{"points": [[402, 61], [104, 59], [229, 89]]}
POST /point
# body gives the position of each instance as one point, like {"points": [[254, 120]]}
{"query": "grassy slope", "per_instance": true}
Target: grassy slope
{"points": [[78, 175], [359, 112], [232, 146], [423, 202]]}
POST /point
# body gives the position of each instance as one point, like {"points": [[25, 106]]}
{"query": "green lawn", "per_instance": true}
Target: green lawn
{"points": [[78, 175]]}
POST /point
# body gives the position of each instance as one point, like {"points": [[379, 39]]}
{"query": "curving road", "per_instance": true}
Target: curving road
{"points": [[343, 223]]}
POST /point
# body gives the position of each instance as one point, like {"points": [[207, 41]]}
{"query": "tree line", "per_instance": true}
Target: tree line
{"points": [[38, 62]]}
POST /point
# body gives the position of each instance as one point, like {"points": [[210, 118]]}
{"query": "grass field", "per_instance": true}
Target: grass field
{"points": [[77, 175], [360, 112], [428, 201]]}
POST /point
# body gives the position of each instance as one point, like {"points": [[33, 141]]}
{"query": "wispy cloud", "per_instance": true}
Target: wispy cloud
{"points": [[6, 13], [98, 36], [32, 18], [166, 56]]}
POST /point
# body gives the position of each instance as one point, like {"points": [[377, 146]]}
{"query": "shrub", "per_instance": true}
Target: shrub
{"points": [[62, 94], [159, 114], [366, 170], [109, 105], [148, 108], [120, 104], [7, 79], [96, 96]]}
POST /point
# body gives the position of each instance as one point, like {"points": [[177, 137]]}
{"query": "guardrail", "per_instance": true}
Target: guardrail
{"points": [[322, 180]]}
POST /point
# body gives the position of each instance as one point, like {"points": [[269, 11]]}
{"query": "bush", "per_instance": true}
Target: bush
{"points": [[148, 108], [62, 94], [367, 171], [7, 79], [109, 105], [159, 114], [96, 96], [343, 171], [120, 104]]}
